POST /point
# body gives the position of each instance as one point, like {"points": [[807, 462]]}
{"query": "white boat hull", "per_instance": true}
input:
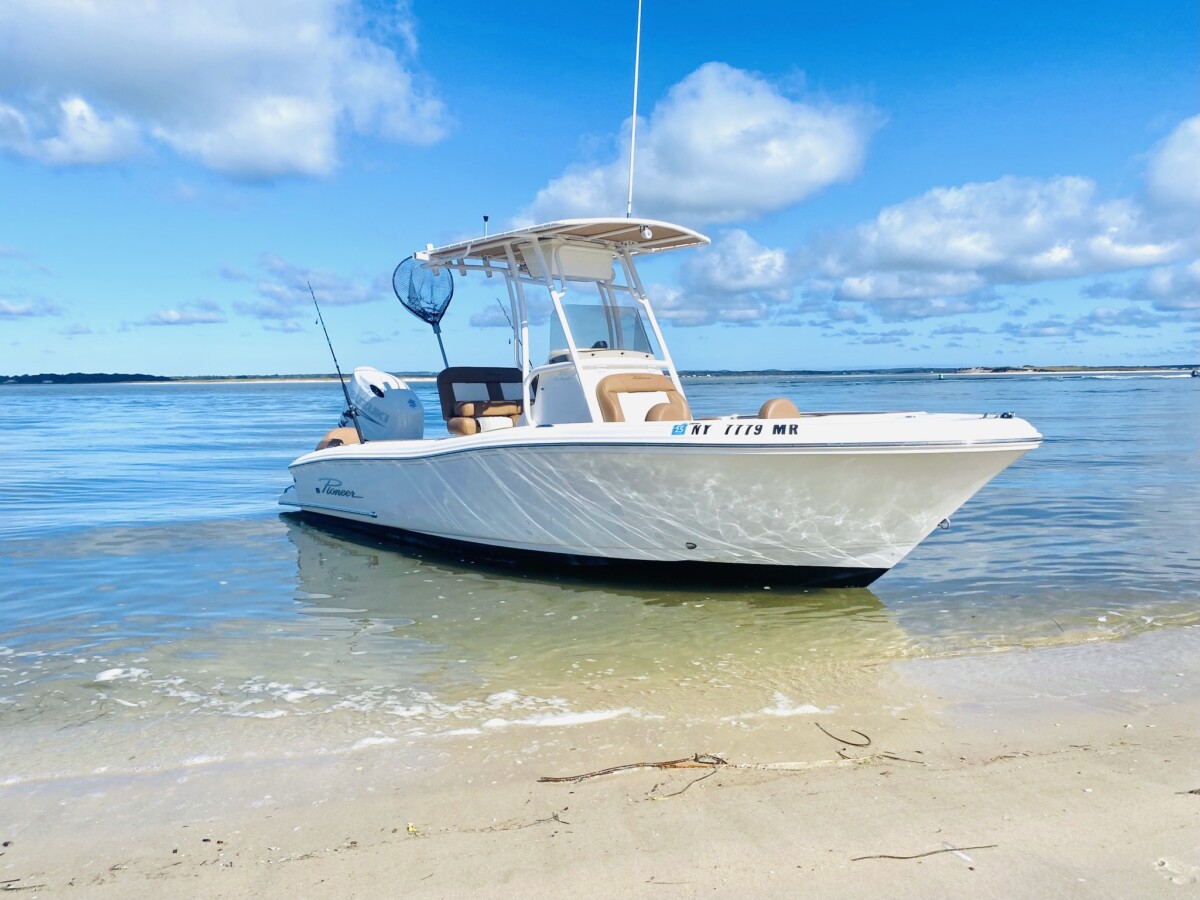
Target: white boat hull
{"points": [[825, 495]]}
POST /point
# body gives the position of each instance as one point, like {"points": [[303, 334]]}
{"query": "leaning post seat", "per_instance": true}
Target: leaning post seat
{"points": [[669, 407], [479, 398]]}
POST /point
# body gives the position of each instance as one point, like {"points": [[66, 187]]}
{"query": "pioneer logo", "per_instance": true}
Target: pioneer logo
{"points": [[333, 487]]}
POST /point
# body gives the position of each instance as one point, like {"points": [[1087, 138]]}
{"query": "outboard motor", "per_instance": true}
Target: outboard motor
{"points": [[388, 410]]}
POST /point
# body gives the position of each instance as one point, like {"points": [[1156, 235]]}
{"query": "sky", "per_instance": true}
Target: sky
{"points": [[885, 184]]}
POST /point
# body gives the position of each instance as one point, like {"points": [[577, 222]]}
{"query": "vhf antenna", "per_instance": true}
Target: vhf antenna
{"points": [[637, 59], [350, 409]]}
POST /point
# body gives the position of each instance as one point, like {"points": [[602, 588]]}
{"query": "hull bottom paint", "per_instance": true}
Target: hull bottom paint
{"points": [[542, 564]]}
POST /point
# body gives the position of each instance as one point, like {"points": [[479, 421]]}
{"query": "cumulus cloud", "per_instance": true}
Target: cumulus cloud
{"points": [[283, 291], [1173, 170], [737, 280], [77, 135], [951, 241], [952, 251], [197, 312], [723, 145], [248, 88], [1167, 288]]}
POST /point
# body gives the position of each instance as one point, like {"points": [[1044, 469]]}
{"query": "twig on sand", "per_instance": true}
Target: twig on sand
{"points": [[698, 761], [866, 740], [686, 786], [926, 853], [894, 758], [710, 761]]}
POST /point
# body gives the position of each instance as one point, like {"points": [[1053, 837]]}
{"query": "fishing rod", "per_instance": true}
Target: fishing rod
{"points": [[351, 411]]}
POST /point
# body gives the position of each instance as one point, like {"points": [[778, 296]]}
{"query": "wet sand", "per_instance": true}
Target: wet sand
{"points": [[1063, 771]]}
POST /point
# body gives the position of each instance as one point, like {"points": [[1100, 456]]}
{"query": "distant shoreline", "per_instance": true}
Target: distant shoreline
{"points": [[52, 378]]}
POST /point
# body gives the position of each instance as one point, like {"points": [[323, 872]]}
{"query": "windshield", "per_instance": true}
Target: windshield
{"points": [[596, 327]]}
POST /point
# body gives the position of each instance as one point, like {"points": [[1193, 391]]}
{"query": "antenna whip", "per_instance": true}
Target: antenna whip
{"points": [[350, 408], [637, 59]]}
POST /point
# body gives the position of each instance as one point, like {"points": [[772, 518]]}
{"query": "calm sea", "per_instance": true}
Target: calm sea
{"points": [[151, 591]]}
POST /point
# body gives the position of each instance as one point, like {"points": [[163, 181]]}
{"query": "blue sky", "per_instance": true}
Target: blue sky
{"points": [[885, 185]]}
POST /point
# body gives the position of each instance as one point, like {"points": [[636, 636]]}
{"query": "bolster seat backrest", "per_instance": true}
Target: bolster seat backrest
{"points": [[670, 408]]}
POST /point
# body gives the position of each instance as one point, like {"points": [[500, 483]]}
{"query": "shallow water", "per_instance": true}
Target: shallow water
{"points": [[151, 587]]}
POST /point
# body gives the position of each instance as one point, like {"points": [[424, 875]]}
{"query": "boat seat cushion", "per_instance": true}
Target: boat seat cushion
{"points": [[779, 408], [464, 425], [674, 410], [337, 437], [611, 388], [477, 408]]}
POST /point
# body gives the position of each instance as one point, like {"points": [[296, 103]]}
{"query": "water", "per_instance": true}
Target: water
{"points": [[156, 608]]}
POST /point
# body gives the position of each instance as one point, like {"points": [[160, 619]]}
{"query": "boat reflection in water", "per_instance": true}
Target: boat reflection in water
{"points": [[484, 647]]}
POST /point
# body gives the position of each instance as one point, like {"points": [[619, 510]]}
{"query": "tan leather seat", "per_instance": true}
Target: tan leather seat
{"points": [[779, 408], [476, 408], [610, 388], [474, 416], [337, 437]]}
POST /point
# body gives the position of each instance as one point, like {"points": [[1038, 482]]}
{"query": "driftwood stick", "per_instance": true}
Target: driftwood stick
{"points": [[698, 761]]}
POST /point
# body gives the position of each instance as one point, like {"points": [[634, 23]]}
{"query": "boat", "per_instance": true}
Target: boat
{"points": [[586, 455]]}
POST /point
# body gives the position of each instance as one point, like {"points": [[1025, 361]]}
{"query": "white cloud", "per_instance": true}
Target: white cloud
{"points": [[1173, 171], [284, 295], [249, 88], [738, 264], [950, 241], [1104, 320], [723, 145], [29, 309], [737, 280], [1167, 288], [950, 251], [198, 312], [78, 135]]}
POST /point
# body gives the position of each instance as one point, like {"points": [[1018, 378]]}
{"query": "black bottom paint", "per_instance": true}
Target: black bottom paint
{"points": [[541, 564]]}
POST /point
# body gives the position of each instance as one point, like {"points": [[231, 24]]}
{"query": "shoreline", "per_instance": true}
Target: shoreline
{"points": [[971, 372], [1068, 768]]}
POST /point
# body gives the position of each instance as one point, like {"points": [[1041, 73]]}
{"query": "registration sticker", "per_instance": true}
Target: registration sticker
{"points": [[679, 429]]}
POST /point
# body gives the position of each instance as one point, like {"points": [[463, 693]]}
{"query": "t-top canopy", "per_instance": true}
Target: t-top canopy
{"points": [[638, 235]]}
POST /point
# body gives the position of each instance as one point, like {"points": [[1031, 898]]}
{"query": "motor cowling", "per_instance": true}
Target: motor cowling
{"points": [[388, 410]]}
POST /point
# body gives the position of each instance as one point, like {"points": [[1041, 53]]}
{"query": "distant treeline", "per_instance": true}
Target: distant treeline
{"points": [[78, 378], [128, 377]]}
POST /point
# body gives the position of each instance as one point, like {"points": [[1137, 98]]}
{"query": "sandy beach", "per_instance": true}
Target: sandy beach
{"points": [[1067, 771]]}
